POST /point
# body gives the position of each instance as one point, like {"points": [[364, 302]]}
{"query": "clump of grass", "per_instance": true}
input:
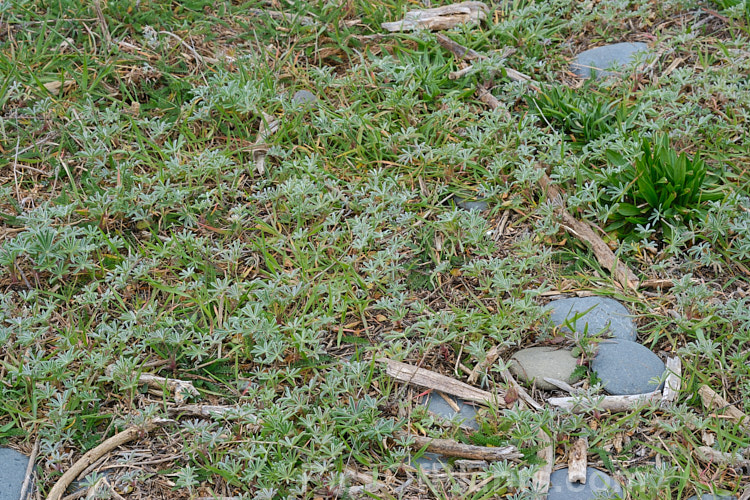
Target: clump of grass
{"points": [[661, 188], [581, 115]]}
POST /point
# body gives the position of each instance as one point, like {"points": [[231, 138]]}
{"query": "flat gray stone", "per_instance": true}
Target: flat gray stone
{"points": [[12, 473], [595, 314], [627, 367], [462, 202], [598, 485], [304, 97], [430, 462], [532, 365], [466, 417], [711, 496], [608, 57]]}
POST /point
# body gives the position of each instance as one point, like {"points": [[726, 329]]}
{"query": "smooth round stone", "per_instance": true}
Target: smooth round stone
{"points": [[304, 97], [627, 367], [532, 365], [466, 417], [711, 496], [609, 57], [479, 205], [12, 473], [598, 485], [595, 314]]}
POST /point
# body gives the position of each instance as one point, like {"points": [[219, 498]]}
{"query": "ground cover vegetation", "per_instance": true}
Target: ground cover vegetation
{"points": [[136, 233]]}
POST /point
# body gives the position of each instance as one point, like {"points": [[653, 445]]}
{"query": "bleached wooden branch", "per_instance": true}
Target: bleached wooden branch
{"points": [[409, 374], [547, 453], [607, 403], [713, 401], [709, 455], [584, 231], [451, 448], [461, 52], [440, 18], [94, 454], [578, 461], [673, 382], [268, 126], [180, 388]]}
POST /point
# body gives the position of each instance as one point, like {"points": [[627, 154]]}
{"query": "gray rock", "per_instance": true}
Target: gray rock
{"points": [[304, 97], [532, 365], [429, 462], [598, 485], [462, 202], [710, 496], [595, 314], [599, 59], [12, 473], [466, 417], [627, 367]]}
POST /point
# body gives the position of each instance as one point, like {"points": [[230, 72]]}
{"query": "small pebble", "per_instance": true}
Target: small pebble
{"points": [[711, 496], [627, 367], [598, 485], [596, 314], [599, 59]]}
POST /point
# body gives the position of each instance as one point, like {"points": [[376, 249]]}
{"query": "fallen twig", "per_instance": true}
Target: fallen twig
{"points": [[419, 376], [461, 52], [451, 448], [180, 388], [578, 461], [712, 401], [488, 360], [268, 126], [440, 18], [546, 453], [562, 385], [607, 403], [94, 454], [512, 384], [673, 382], [709, 455], [585, 232]]}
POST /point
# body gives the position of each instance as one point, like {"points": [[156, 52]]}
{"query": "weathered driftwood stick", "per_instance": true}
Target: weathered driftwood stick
{"points": [[547, 453], [584, 231], [440, 18], [461, 52], [490, 100], [451, 448], [607, 403], [561, 385], [712, 401], [180, 388], [709, 455], [578, 461], [268, 126], [94, 454], [409, 374], [511, 382], [488, 360], [673, 382]]}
